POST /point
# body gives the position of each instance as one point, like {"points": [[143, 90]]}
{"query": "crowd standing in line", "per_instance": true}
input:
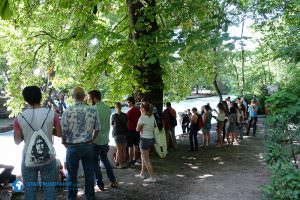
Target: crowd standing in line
{"points": [[85, 134]]}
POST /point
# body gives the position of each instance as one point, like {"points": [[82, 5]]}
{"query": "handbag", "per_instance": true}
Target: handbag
{"points": [[160, 144]]}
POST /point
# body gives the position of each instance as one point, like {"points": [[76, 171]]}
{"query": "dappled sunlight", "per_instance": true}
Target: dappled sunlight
{"points": [[130, 183], [192, 166], [260, 157], [188, 158], [145, 184], [205, 176], [180, 175], [217, 158], [192, 158], [189, 164]]}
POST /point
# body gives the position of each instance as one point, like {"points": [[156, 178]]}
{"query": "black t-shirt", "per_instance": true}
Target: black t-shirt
{"points": [[119, 122]]}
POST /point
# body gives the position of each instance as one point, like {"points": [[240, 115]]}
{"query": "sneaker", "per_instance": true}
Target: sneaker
{"points": [[150, 180], [139, 176]]}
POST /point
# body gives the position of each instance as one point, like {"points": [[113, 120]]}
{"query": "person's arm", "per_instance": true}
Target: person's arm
{"points": [[96, 127], [6, 166], [255, 108], [57, 126], [95, 134], [64, 128], [112, 120], [139, 127], [18, 135]]}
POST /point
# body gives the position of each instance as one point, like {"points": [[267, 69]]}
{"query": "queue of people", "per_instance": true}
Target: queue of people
{"points": [[84, 130], [231, 120]]}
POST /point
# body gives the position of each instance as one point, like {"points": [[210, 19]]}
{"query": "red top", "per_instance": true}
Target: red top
{"points": [[133, 116], [166, 116]]}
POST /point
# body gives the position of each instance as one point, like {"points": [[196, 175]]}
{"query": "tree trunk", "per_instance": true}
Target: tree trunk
{"points": [[197, 89], [243, 59], [150, 77], [237, 73], [218, 89]]}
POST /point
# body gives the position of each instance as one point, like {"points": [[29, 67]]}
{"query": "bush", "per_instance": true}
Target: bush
{"points": [[283, 147]]}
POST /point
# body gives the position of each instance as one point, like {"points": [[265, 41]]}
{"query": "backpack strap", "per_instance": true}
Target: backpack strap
{"points": [[30, 124], [27, 122], [45, 118]]}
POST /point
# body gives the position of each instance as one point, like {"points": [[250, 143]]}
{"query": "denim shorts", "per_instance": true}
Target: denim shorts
{"points": [[146, 143], [120, 139]]}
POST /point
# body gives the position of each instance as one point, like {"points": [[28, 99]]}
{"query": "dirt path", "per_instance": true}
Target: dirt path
{"points": [[232, 172]]}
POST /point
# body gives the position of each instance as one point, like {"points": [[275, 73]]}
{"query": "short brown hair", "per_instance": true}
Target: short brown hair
{"points": [[78, 93]]}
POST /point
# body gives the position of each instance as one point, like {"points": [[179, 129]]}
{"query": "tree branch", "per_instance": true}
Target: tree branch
{"points": [[36, 52], [116, 26], [43, 33]]}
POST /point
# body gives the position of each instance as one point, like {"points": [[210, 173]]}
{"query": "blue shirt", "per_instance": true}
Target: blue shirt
{"points": [[78, 123], [253, 111]]}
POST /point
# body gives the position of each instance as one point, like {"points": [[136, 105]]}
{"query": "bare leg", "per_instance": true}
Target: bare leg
{"points": [[131, 154], [118, 156], [220, 137], [143, 165], [208, 138], [123, 154], [146, 160], [136, 152]]}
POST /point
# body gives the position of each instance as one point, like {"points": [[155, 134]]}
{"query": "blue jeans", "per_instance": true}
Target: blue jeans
{"points": [[101, 154], [254, 121], [30, 176], [85, 153], [193, 138]]}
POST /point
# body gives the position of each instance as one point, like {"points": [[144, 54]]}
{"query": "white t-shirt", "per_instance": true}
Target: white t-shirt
{"points": [[147, 123]]}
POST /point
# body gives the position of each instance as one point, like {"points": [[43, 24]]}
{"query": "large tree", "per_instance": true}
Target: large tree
{"points": [[153, 49]]}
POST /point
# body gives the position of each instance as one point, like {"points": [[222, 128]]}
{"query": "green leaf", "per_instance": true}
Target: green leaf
{"points": [[5, 11]]}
